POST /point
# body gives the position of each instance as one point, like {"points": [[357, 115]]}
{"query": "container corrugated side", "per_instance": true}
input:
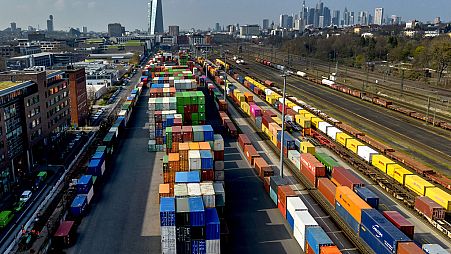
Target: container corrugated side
{"points": [[302, 221], [351, 202], [316, 237]]}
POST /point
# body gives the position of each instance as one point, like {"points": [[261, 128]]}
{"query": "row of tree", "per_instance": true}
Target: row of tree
{"points": [[357, 51]]}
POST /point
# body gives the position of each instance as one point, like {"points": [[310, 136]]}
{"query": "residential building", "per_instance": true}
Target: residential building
{"points": [[265, 24], [249, 30], [50, 24], [29, 61], [378, 16], [115, 30], [155, 17], [174, 30], [78, 95], [36, 36]]}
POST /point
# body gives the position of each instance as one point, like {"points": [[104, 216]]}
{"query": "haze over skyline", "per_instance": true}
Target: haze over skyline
{"points": [[199, 14]]}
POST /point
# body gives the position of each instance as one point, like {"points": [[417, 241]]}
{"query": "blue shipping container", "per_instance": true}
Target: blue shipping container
{"points": [[347, 217], [98, 156], [196, 211], [290, 220], [382, 229], [316, 237], [78, 206], [84, 184], [209, 134], [95, 167], [198, 247], [273, 196], [373, 241], [206, 160], [366, 194], [213, 229], [187, 177], [167, 211]]}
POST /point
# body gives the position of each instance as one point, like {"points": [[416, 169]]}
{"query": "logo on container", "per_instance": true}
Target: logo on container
{"points": [[377, 232], [388, 245]]}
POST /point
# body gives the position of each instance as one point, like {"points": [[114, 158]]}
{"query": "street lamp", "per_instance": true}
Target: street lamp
{"points": [[225, 75], [282, 138]]}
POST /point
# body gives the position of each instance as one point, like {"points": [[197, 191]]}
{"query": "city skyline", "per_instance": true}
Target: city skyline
{"points": [[79, 13]]}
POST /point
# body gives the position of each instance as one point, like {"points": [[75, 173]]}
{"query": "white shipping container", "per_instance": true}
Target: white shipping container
{"points": [[208, 194], [366, 153], [297, 108], [218, 143], [213, 246], [219, 166], [103, 167], [90, 194], [180, 190], [302, 220], [295, 157], [194, 160], [332, 132], [194, 189], [168, 240], [295, 204], [268, 91], [219, 176], [322, 126]]}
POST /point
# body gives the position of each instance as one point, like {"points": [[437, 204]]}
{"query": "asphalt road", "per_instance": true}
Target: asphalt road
{"points": [[411, 136]]}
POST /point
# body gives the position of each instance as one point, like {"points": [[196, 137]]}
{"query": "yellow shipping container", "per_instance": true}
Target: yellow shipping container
{"points": [[351, 202], [307, 147], [399, 174], [381, 162], [440, 196], [342, 138], [316, 121], [309, 116], [264, 129], [277, 120], [302, 121], [303, 112], [193, 146], [353, 144], [274, 139], [417, 184], [246, 108]]}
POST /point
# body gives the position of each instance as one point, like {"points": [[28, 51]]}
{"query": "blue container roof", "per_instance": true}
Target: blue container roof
{"points": [[120, 119], [196, 204], [364, 191], [318, 235], [207, 128], [94, 163], [78, 200], [372, 219], [98, 155], [167, 204], [187, 177], [84, 179], [204, 154], [211, 216]]}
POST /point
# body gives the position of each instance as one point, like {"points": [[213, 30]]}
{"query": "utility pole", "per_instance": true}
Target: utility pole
{"points": [[225, 75], [282, 138], [402, 82], [435, 110], [429, 105]]}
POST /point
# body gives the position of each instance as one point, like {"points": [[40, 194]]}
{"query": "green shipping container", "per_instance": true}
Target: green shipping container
{"points": [[195, 116], [186, 98], [201, 97], [327, 161], [202, 117], [201, 109]]}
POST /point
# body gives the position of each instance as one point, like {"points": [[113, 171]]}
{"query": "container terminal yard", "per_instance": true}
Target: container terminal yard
{"points": [[192, 165]]}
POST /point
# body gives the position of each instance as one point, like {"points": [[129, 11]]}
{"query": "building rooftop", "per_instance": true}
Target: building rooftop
{"points": [[7, 87], [7, 84], [32, 55]]}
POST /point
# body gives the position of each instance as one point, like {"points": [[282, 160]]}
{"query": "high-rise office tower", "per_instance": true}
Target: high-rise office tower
{"points": [[265, 24], [290, 22], [378, 16], [50, 24], [336, 18], [327, 17], [217, 27], [155, 17], [85, 30], [13, 26], [346, 17], [283, 22]]}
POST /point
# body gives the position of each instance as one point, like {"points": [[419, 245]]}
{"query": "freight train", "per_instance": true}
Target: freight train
{"points": [[364, 96], [342, 189], [350, 139]]}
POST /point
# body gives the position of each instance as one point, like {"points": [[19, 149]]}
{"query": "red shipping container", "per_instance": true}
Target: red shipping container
{"points": [[251, 153], [266, 120], [283, 192], [329, 250], [262, 168], [243, 140], [409, 248], [308, 249], [219, 155], [208, 175], [266, 184], [309, 175], [178, 122], [344, 177], [187, 132], [400, 222], [312, 164], [430, 208], [232, 129], [269, 113], [328, 189]]}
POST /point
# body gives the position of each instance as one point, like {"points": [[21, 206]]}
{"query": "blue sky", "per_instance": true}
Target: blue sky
{"points": [[96, 14]]}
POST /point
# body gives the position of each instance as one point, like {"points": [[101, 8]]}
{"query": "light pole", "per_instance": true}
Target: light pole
{"points": [[282, 139], [225, 75]]}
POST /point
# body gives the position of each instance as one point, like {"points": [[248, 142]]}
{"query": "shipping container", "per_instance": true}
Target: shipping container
{"points": [[208, 194], [302, 221], [182, 212], [283, 192], [353, 145], [328, 189], [373, 242], [429, 208], [328, 162], [243, 140], [366, 194], [317, 238], [79, 205], [251, 153], [343, 138], [382, 229], [187, 177], [351, 202], [219, 194], [440, 196], [366, 153], [167, 211], [417, 184], [262, 167], [345, 177], [434, 249], [381, 162], [84, 184], [294, 204], [307, 147], [347, 217], [400, 222], [312, 164], [409, 248], [329, 250], [196, 212], [212, 229], [65, 235], [400, 173]]}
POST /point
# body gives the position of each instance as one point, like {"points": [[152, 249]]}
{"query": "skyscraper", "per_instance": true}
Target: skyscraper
{"points": [[155, 17], [378, 16], [13, 27], [327, 17], [265, 24], [336, 18], [283, 22], [50, 24], [290, 22], [85, 30], [217, 27], [346, 17]]}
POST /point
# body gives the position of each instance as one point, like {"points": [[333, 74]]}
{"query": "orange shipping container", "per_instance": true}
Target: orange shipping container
{"points": [[251, 153], [409, 248], [193, 146], [329, 250], [164, 191], [351, 202], [283, 192], [249, 97], [262, 167], [204, 146], [183, 151], [184, 165], [174, 162]]}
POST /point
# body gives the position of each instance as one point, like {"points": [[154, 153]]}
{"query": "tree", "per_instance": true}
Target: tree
{"points": [[134, 60], [440, 55], [359, 60]]}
